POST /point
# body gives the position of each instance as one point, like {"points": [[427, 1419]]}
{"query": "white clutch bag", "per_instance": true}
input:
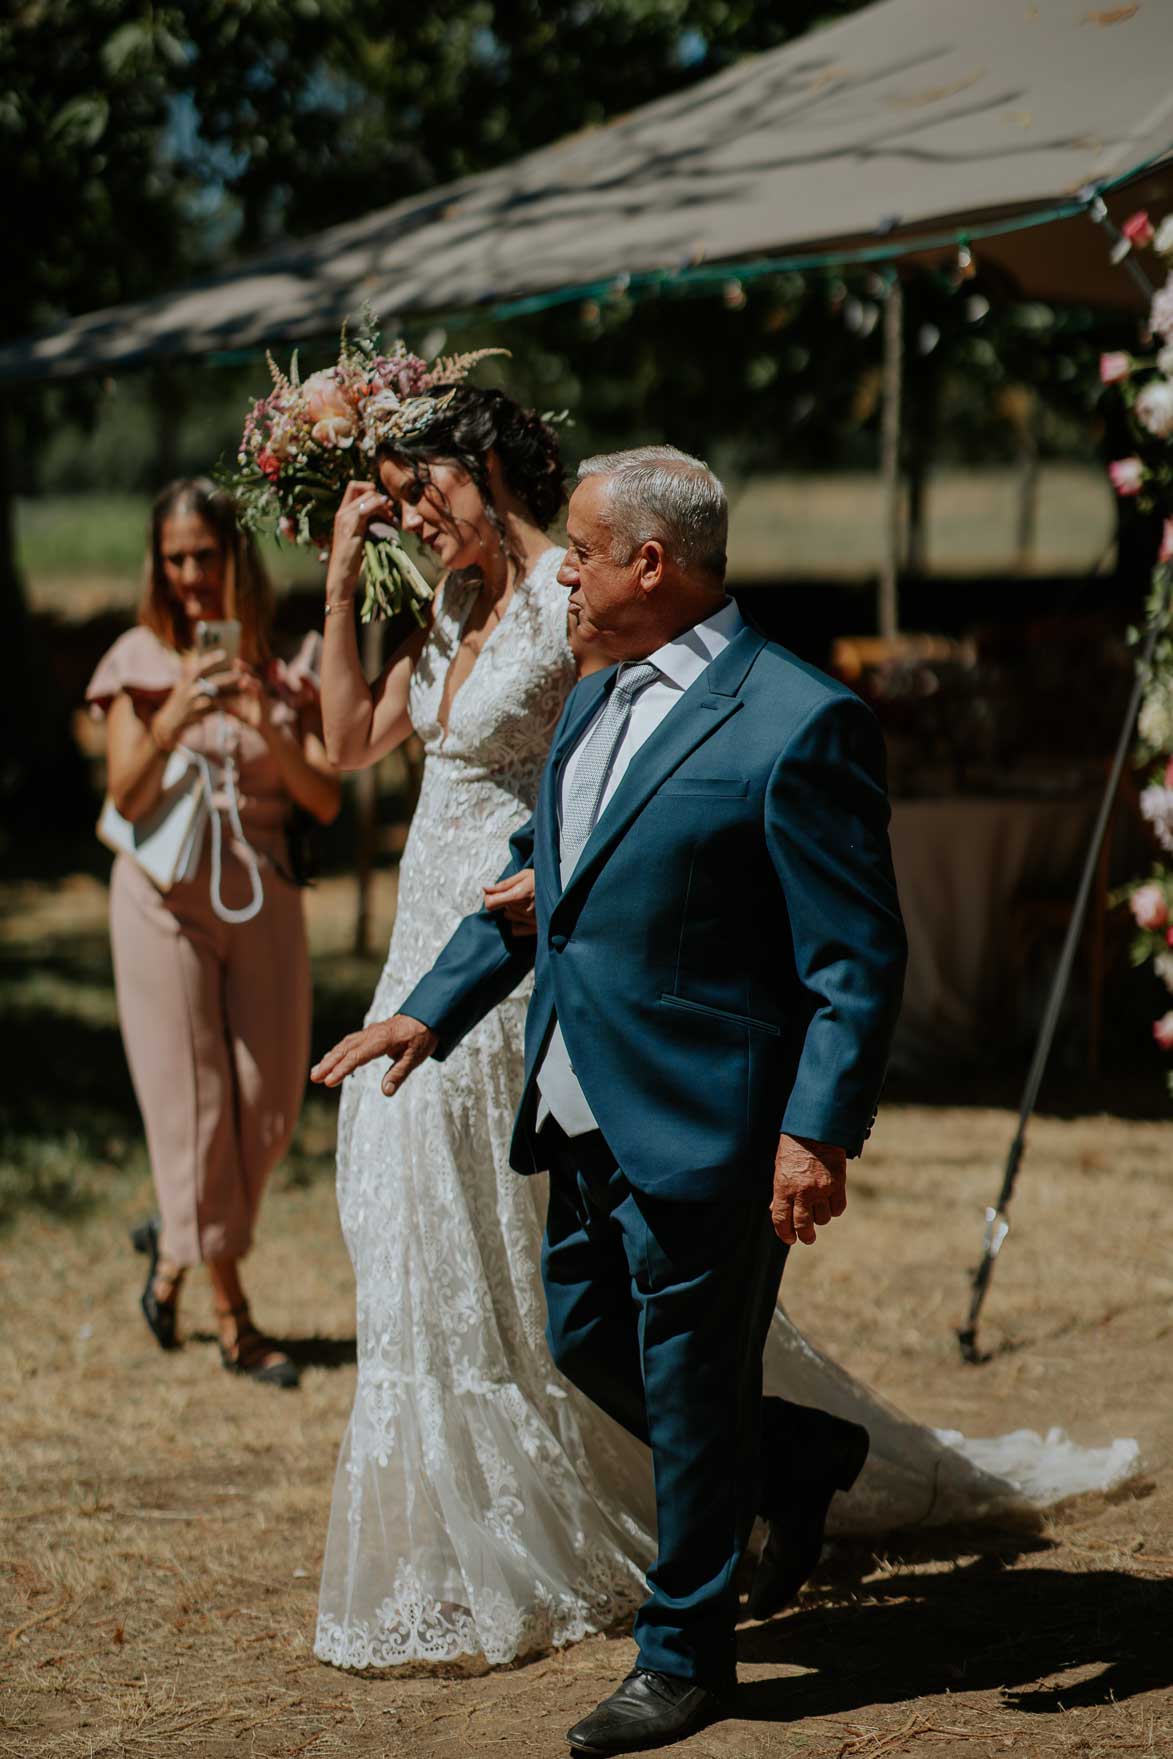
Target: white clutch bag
{"points": [[168, 841]]}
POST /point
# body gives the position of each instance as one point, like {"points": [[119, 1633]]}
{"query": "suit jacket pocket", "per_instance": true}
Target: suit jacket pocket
{"points": [[722, 1014], [711, 787]]}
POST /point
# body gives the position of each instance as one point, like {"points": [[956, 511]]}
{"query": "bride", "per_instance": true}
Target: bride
{"points": [[482, 1507]]}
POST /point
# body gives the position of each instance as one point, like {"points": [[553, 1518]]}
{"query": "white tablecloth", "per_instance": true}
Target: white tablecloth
{"points": [[961, 864]]}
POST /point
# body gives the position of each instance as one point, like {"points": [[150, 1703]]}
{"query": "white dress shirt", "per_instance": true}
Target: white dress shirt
{"points": [[679, 663]]}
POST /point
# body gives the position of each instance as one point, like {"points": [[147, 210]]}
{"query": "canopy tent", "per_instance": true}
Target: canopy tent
{"points": [[897, 131]]}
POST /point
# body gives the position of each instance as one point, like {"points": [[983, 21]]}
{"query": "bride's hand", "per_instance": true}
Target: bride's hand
{"points": [[359, 505], [362, 503], [514, 897], [407, 1042]]}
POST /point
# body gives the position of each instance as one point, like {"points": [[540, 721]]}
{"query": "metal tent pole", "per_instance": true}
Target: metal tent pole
{"points": [[997, 1224]]}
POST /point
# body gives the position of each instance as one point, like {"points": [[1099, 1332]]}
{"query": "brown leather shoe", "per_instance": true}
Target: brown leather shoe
{"points": [[249, 1352]]}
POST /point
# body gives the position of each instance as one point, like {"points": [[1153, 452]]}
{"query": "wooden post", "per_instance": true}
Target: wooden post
{"points": [[366, 806], [888, 610], [1028, 484]]}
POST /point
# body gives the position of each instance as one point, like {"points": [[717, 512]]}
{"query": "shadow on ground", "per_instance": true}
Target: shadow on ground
{"points": [[313, 1352], [974, 1628]]}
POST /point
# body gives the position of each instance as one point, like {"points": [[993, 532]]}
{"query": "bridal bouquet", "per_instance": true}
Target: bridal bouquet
{"points": [[305, 441], [1146, 383]]}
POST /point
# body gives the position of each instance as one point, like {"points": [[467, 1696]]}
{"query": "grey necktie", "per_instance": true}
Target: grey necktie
{"points": [[584, 792]]}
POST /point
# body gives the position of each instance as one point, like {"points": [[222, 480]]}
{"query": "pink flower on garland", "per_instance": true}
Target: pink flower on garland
{"points": [[1138, 229], [1163, 1031], [1148, 907], [1154, 408], [1161, 316], [1114, 367], [1127, 475]]}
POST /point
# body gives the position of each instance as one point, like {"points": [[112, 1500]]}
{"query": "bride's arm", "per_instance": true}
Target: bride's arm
{"points": [[361, 722]]}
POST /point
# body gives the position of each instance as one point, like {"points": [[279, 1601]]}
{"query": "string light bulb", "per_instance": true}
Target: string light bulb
{"points": [[966, 267]]}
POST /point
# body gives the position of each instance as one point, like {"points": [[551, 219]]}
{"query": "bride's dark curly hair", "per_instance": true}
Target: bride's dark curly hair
{"points": [[473, 423]]}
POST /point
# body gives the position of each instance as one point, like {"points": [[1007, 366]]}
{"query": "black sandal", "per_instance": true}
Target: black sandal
{"points": [[160, 1315], [251, 1349]]}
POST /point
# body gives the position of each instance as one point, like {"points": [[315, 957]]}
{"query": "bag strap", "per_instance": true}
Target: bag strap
{"points": [[222, 910]]}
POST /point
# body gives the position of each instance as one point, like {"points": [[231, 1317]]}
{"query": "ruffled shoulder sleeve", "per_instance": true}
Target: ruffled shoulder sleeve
{"points": [[138, 663]]}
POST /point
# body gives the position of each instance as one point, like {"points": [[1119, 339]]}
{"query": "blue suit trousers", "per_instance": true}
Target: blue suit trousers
{"points": [[658, 1310]]}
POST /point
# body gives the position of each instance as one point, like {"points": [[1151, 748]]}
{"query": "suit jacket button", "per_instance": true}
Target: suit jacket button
{"points": [[559, 942]]}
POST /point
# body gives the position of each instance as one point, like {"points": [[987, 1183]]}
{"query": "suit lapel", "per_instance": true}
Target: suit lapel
{"points": [[705, 705]]}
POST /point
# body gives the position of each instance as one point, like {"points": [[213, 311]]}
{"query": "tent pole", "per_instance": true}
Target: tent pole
{"points": [[888, 610], [366, 806], [997, 1225]]}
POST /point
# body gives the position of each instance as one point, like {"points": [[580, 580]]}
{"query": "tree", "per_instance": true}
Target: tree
{"points": [[143, 143]]}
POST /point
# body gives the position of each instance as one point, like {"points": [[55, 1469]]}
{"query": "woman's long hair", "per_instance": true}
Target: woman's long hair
{"points": [[248, 592]]}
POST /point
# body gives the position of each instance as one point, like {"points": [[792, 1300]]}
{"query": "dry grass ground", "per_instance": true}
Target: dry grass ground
{"points": [[161, 1524]]}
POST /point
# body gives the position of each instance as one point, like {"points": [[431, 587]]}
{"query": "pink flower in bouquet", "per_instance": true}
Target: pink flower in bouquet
{"points": [[1163, 1031], [405, 374], [1154, 408], [329, 406], [1127, 475], [1138, 229], [1161, 315], [283, 438], [1148, 907], [1165, 553], [269, 463], [334, 430], [323, 395], [1114, 367]]}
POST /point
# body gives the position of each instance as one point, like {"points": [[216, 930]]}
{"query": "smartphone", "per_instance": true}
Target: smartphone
{"points": [[219, 632]]}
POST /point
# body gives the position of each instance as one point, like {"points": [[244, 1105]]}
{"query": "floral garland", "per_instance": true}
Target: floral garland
{"points": [[305, 441], [1146, 384]]}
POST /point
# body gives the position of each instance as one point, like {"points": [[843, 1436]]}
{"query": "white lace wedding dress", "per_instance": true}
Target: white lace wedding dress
{"points": [[482, 1507]]}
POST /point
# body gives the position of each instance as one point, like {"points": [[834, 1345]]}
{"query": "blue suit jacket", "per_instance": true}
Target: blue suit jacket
{"points": [[726, 960]]}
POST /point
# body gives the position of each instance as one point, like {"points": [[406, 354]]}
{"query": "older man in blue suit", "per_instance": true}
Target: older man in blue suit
{"points": [[719, 957]]}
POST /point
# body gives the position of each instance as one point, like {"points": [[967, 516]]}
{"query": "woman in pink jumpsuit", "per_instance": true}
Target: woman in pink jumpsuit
{"points": [[215, 1013]]}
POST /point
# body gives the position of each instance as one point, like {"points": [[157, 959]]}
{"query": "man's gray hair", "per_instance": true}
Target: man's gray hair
{"points": [[658, 492]]}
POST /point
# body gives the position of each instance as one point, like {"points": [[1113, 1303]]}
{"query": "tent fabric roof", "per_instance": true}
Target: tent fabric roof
{"points": [[910, 118]]}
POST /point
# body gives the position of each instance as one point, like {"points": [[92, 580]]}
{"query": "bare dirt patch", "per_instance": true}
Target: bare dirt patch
{"points": [[161, 1524]]}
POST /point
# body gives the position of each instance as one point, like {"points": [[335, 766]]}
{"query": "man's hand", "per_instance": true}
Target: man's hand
{"points": [[514, 897], [406, 1041], [810, 1186]]}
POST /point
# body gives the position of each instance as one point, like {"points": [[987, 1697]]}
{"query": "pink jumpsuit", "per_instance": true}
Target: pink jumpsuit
{"points": [[215, 1017]]}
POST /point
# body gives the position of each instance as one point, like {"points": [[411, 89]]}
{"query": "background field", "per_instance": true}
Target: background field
{"points": [[82, 554]]}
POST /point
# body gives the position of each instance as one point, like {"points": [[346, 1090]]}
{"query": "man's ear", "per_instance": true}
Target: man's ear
{"points": [[651, 562]]}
